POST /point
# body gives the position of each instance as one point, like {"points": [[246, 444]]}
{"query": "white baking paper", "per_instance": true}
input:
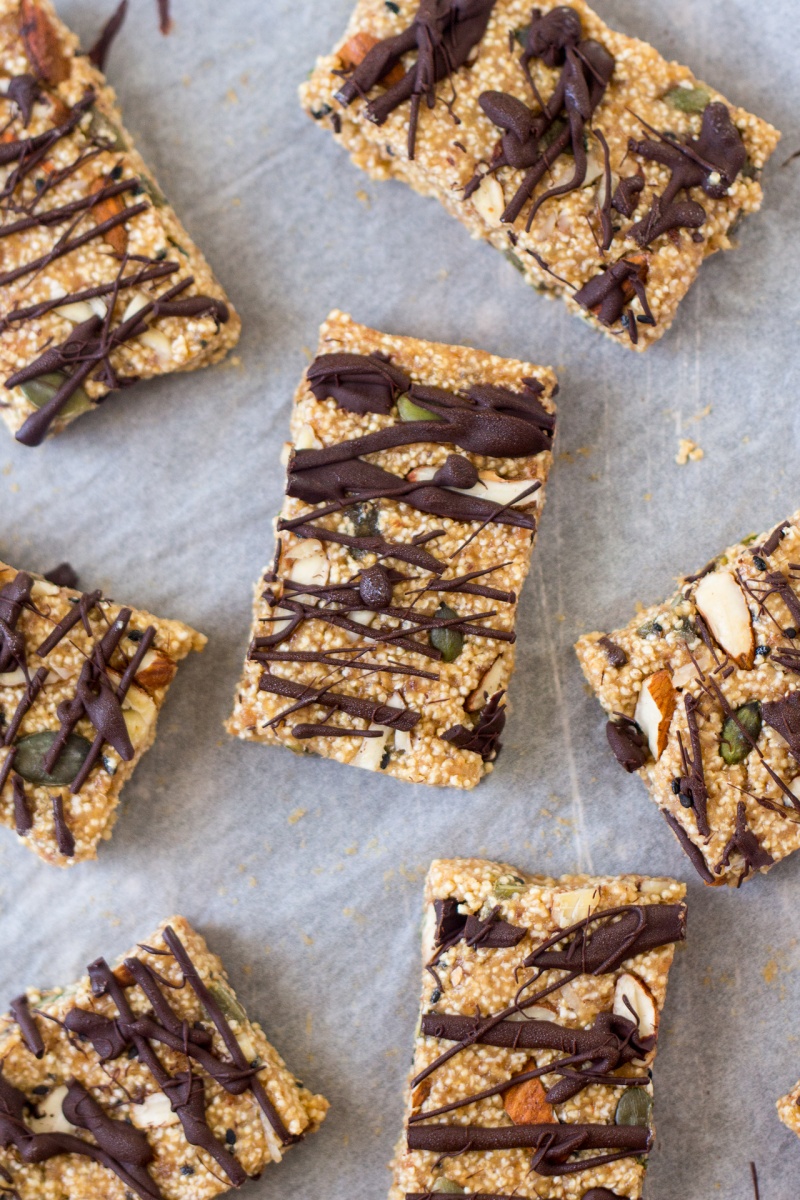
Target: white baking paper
{"points": [[305, 876]]}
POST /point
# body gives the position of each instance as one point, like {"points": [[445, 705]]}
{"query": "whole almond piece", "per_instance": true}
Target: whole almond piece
{"points": [[42, 45], [526, 1105], [356, 49]]}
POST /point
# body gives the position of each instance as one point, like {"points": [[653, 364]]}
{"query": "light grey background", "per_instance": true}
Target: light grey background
{"points": [[164, 500]]}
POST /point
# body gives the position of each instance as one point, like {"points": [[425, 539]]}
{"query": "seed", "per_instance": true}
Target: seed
{"points": [[447, 1185], [735, 746], [759, 563], [42, 389], [409, 411], [229, 1005], [686, 800], [762, 650], [436, 996], [676, 786], [449, 641], [507, 886], [634, 1107], [688, 99], [33, 750], [187, 1170], [650, 629], [230, 1137], [392, 7], [791, 632], [103, 131]]}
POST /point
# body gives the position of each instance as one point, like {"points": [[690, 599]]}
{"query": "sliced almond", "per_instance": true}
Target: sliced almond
{"points": [[308, 563], [654, 710], [159, 343], [369, 754], [402, 737], [356, 49], [78, 312], [722, 605], [490, 201], [137, 302], [526, 1105], [361, 616], [103, 210], [307, 439], [490, 683], [570, 907], [156, 671], [536, 1012], [140, 714], [42, 43], [154, 1112], [43, 587], [491, 486], [51, 1117], [634, 1000], [13, 678]]}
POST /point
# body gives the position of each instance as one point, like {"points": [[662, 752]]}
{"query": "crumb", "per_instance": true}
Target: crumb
{"points": [[688, 451]]}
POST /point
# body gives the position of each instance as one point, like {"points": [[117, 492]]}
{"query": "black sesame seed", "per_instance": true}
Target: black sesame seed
{"points": [[41, 1089], [161, 255], [392, 7], [135, 635], [116, 173], [676, 786], [187, 1170], [791, 632], [132, 1052], [436, 995], [686, 800], [323, 111], [763, 650], [759, 563], [230, 1137]]}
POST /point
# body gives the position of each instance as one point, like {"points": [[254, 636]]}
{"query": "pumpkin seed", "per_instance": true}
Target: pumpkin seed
{"points": [[31, 752], [229, 1005], [153, 191], [449, 641], [650, 629], [103, 130], [507, 886], [365, 519], [689, 99], [634, 1107], [734, 746], [409, 411], [447, 1186], [42, 389], [516, 262]]}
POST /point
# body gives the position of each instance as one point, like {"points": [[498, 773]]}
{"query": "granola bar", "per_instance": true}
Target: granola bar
{"points": [[789, 1110], [100, 285], [82, 680], [384, 631], [147, 1079], [605, 173], [703, 700], [540, 1008]]}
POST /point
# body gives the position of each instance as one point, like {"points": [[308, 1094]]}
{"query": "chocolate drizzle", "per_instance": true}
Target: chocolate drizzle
{"points": [[604, 948], [784, 717], [443, 34], [358, 382], [532, 141], [484, 737], [692, 783], [552, 1144], [27, 1024], [628, 744], [711, 161], [745, 843]]}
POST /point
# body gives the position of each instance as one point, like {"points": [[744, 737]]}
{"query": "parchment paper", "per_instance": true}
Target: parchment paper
{"points": [[164, 500]]}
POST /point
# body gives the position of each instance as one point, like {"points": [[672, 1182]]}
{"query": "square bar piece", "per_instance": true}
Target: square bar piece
{"points": [[148, 1080], [100, 284], [384, 631], [605, 173], [82, 680], [789, 1110], [702, 692], [539, 1015]]}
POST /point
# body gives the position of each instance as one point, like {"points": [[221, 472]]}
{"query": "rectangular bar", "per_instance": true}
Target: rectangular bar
{"points": [[702, 695], [506, 114], [539, 1014], [82, 680], [156, 1058], [100, 284], [383, 634]]}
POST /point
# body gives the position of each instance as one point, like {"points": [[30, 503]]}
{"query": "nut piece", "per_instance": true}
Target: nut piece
{"points": [[722, 605], [490, 201], [570, 907], [356, 49], [654, 710], [489, 684], [308, 563], [490, 486], [157, 671], [153, 1112], [526, 1105], [51, 1117], [634, 1000]]}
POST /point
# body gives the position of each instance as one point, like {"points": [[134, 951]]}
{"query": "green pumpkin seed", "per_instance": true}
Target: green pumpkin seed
{"points": [[507, 886], [650, 629], [153, 191], [42, 389], [31, 752], [409, 411], [634, 1107], [365, 520], [449, 641], [448, 1187], [734, 747], [229, 1005], [103, 130], [689, 99], [521, 35], [516, 262]]}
